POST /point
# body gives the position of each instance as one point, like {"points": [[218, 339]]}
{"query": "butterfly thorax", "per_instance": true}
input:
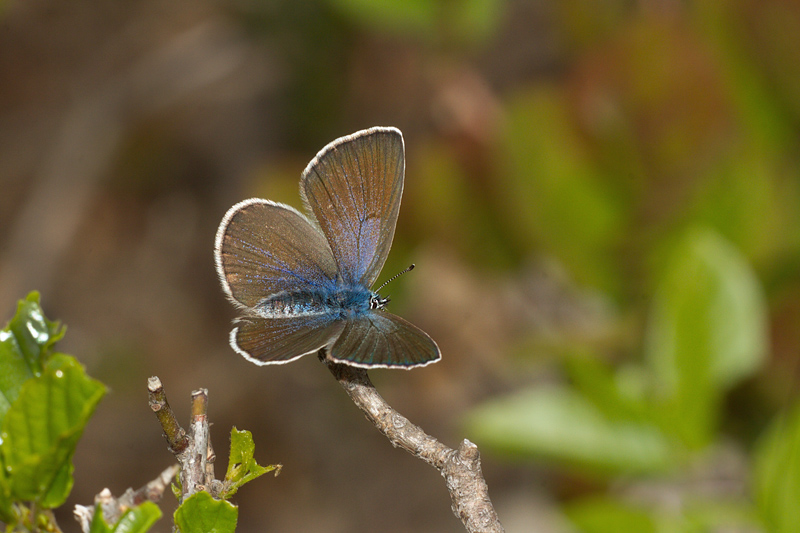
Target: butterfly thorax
{"points": [[341, 302]]}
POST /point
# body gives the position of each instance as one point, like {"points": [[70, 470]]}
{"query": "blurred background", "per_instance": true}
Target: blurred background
{"points": [[602, 200]]}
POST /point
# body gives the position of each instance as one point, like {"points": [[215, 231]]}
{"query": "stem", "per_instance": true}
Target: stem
{"points": [[176, 437], [191, 449], [460, 468]]}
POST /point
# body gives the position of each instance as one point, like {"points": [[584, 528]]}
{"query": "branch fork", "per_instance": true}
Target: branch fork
{"points": [[193, 450]]}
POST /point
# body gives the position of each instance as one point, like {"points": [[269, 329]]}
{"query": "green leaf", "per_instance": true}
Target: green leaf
{"points": [[559, 424], [25, 345], [201, 513], [61, 483], [242, 467], [139, 519], [42, 427], [177, 490], [777, 474], [99, 524], [706, 332], [136, 520]]}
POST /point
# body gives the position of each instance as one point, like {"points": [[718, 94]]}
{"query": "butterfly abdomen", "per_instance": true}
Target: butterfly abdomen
{"points": [[344, 302]]}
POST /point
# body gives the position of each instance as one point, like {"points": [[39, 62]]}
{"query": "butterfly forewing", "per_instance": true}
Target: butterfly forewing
{"points": [[264, 248], [353, 189], [381, 339], [280, 340]]}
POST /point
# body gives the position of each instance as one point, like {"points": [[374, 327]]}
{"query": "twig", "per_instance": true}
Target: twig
{"points": [[460, 468], [113, 508], [173, 432], [192, 450], [195, 468]]}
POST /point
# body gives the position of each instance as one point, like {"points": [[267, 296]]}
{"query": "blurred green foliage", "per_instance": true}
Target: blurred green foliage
{"points": [[706, 333], [662, 169], [777, 473], [553, 194], [461, 21]]}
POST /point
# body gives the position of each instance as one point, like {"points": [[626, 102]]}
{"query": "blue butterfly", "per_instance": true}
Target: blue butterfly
{"points": [[303, 282]]}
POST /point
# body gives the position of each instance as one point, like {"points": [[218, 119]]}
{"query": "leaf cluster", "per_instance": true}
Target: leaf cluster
{"points": [[46, 400]]}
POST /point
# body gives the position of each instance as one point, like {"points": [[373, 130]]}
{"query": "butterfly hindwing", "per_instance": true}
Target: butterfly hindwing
{"points": [[381, 339], [280, 340]]}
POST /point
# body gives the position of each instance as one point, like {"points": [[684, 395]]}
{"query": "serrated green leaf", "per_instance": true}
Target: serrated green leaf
{"points": [[777, 474], [136, 520], [707, 331], [242, 467], [42, 427], [25, 345], [61, 483], [201, 513], [35, 334], [559, 424], [14, 371]]}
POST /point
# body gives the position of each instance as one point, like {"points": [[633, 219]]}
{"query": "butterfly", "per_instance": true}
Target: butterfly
{"points": [[302, 281]]}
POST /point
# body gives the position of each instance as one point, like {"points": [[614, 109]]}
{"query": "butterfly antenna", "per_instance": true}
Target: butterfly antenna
{"points": [[409, 269]]}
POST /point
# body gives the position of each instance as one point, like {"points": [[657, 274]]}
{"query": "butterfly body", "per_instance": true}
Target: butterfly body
{"points": [[303, 281], [339, 302]]}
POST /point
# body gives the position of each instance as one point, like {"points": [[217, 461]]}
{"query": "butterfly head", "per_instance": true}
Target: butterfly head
{"points": [[377, 302]]}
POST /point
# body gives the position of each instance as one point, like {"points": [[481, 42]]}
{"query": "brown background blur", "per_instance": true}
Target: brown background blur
{"points": [[127, 129]]}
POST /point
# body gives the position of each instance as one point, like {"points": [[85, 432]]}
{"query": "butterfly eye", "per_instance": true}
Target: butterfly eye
{"points": [[376, 302]]}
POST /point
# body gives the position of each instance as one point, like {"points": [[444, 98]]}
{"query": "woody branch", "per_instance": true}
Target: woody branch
{"points": [[460, 468]]}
